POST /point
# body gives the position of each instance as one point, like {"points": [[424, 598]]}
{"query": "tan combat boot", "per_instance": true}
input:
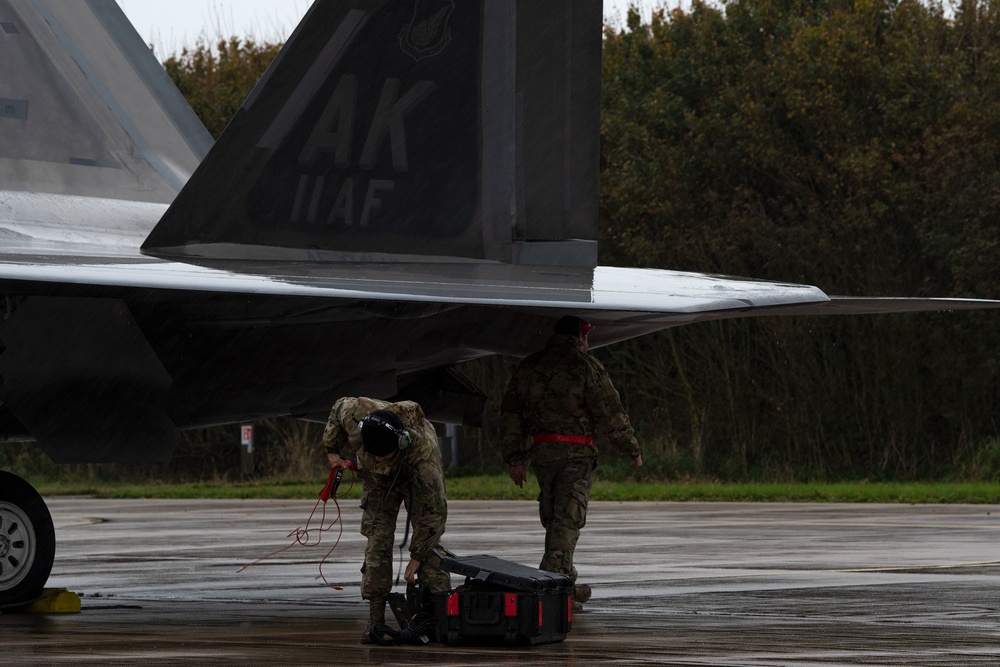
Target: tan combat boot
{"points": [[581, 593], [376, 616]]}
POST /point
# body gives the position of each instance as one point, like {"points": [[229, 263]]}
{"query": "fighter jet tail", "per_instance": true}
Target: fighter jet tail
{"points": [[416, 130], [86, 110]]}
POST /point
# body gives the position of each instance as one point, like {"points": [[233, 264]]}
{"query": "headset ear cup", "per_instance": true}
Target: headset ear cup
{"points": [[404, 439]]}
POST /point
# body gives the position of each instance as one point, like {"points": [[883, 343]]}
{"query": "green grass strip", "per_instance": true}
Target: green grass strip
{"points": [[499, 487]]}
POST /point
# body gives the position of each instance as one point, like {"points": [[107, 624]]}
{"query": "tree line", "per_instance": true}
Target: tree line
{"points": [[852, 145], [849, 144]]}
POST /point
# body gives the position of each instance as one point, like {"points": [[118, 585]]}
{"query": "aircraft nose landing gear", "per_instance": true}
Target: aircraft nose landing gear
{"points": [[27, 542]]}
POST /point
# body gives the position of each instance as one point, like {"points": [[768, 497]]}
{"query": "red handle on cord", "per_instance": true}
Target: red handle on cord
{"points": [[333, 481]]}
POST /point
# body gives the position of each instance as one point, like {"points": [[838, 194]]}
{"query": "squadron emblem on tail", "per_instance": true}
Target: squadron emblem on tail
{"points": [[428, 33]]}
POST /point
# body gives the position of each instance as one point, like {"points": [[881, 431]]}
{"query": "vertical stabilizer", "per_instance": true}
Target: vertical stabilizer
{"points": [[436, 130], [85, 108]]}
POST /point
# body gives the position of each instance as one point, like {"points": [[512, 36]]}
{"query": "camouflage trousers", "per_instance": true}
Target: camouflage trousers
{"points": [[380, 507], [562, 506]]}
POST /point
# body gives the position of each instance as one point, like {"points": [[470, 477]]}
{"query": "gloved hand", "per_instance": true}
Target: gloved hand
{"points": [[518, 475]]}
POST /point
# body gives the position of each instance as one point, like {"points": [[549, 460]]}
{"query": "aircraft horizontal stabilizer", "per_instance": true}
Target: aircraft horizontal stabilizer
{"points": [[853, 305]]}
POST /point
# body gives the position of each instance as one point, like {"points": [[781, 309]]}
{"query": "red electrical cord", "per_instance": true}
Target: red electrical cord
{"points": [[301, 534]]}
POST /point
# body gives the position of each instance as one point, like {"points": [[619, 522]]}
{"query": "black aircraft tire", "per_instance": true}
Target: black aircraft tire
{"points": [[27, 542]]}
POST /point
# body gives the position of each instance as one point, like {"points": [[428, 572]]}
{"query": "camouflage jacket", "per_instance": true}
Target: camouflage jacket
{"points": [[561, 390], [418, 466]]}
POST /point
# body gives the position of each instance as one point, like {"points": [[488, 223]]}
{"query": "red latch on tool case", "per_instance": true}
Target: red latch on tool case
{"points": [[510, 604]]}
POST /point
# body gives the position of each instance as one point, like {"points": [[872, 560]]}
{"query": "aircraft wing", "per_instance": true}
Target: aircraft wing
{"points": [[411, 185]]}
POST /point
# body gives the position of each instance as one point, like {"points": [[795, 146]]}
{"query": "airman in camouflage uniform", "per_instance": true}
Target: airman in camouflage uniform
{"points": [[557, 402], [392, 475]]}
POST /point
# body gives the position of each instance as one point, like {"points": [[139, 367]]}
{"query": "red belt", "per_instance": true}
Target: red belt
{"points": [[555, 437]]}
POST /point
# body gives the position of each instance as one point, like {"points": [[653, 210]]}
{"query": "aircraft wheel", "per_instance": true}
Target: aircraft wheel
{"points": [[27, 542]]}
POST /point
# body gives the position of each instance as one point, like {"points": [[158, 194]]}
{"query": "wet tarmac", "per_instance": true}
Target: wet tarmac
{"points": [[674, 584]]}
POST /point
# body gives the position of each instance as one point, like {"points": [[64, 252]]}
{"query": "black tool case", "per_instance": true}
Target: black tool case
{"points": [[503, 602]]}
